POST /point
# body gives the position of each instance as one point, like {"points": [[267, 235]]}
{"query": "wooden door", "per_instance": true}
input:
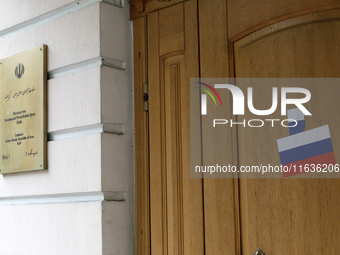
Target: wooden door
{"points": [[175, 41], [176, 215], [287, 216], [170, 221], [291, 216], [242, 38]]}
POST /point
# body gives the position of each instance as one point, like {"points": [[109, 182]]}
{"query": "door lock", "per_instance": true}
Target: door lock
{"points": [[259, 252]]}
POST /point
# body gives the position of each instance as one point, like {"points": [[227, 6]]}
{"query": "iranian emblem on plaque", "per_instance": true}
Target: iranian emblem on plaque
{"points": [[19, 70]]}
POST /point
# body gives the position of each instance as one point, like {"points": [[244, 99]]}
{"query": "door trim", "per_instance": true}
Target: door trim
{"points": [[142, 180]]}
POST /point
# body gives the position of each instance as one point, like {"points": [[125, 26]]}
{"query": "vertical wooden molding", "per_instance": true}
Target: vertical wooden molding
{"points": [[175, 83], [193, 207], [221, 226], [237, 222], [164, 168], [142, 179], [171, 72]]}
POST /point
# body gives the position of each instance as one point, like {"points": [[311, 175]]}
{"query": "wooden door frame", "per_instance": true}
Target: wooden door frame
{"points": [[139, 9], [210, 42], [212, 12], [142, 185]]}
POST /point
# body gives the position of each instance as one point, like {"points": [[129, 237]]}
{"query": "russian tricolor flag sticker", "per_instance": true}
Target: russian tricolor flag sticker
{"points": [[310, 147]]}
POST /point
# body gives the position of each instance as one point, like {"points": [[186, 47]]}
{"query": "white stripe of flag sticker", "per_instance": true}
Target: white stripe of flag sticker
{"points": [[305, 148]]}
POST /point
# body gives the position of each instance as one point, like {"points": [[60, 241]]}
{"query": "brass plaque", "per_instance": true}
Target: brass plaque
{"points": [[23, 138]]}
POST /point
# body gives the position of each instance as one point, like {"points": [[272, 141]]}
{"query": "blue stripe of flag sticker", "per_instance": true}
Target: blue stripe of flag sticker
{"points": [[306, 151], [297, 115], [299, 128]]}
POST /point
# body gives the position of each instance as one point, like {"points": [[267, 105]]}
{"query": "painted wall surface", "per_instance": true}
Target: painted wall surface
{"points": [[83, 203]]}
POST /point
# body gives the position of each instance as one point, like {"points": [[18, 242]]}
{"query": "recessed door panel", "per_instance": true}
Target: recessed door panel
{"points": [[290, 216]]}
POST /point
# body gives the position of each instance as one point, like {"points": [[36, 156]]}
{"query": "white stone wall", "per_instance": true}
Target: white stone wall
{"points": [[83, 203]]}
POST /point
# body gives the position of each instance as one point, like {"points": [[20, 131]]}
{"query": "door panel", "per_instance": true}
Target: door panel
{"points": [[176, 202], [290, 216], [244, 39]]}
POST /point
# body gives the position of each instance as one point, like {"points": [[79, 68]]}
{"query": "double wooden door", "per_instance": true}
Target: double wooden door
{"points": [[178, 40]]}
